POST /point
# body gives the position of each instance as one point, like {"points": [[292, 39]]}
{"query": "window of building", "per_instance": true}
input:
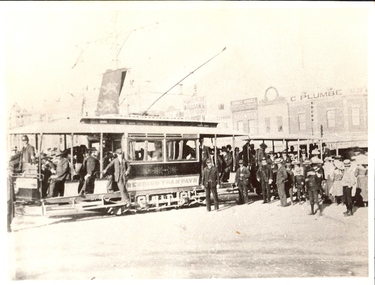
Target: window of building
{"points": [[279, 123], [355, 116], [331, 123], [268, 124], [301, 121], [252, 127]]}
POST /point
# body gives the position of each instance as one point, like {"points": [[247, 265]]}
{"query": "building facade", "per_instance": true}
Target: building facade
{"points": [[338, 116]]}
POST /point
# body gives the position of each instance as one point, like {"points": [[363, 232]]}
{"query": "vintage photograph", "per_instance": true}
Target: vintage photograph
{"points": [[174, 141]]}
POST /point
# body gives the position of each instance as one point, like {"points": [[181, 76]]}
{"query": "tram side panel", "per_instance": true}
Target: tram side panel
{"points": [[164, 171]]}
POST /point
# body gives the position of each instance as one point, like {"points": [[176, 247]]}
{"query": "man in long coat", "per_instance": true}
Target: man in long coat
{"points": [[281, 178], [89, 169], [57, 186], [242, 181], [264, 177], [120, 176], [210, 181]]}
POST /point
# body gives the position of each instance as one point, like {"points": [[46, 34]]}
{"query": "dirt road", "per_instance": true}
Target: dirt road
{"points": [[247, 241]]}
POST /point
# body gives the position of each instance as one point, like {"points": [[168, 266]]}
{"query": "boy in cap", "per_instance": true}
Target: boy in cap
{"points": [[210, 181]]}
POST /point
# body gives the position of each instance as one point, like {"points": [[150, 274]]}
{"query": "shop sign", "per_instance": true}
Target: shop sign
{"points": [[195, 106], [245, 104]]}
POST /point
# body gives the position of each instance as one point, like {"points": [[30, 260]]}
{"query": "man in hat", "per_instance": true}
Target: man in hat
{"points": [[316, 164], [328, 168], [27, 154], [204, 154], [312, 187], [285, 156], [242, 182], [210, 181], [236, 159], [289, 184], [89, 169], [264, 177], [46, 171], [273, 166], [299, 179], [303, 156], [228, 162], [57, 185], [248, 154], [315, 153], [348, 182], [281, 179], [120, 176], [260, 153]]}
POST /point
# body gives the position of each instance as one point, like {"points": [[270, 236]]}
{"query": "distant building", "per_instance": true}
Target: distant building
{"points": [[339, 116]]}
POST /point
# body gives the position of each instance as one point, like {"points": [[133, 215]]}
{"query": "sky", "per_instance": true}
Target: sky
{"points": [[55, 51]]}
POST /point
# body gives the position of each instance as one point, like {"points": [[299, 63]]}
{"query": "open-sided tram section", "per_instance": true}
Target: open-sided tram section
{"points": [[171, 180]]}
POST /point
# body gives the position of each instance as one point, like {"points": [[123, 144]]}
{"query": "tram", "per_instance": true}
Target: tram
{"points": [[163, 153]]}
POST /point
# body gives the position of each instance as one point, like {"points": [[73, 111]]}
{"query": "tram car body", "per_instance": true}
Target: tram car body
{"points": [[164, 156]]}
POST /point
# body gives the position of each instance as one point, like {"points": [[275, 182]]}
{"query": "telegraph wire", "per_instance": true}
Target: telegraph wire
{"points": [[145, 112]]}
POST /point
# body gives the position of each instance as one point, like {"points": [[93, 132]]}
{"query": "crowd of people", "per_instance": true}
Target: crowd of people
{"points": [[270, 175], [283, 175]]}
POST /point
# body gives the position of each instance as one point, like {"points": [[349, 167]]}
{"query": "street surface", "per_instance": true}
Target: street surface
{"points": [[238, 241]]}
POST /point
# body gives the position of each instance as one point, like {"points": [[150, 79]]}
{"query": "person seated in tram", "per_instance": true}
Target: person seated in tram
{"points": [[157, 154]]}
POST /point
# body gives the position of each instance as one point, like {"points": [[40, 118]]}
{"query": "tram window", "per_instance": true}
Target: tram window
{"points": [[181, 150], [145, 150]]}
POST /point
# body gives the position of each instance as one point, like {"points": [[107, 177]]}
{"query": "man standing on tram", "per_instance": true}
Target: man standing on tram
{"points": [[89, 169], [57, 185], [120, 176]]}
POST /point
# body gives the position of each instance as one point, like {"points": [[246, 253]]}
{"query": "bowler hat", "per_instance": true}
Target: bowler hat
{"points": [[25, 138], [263, 145], [306, 162]]}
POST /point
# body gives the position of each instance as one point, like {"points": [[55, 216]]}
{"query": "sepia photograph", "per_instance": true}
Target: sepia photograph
{"points": [[188, 141]]}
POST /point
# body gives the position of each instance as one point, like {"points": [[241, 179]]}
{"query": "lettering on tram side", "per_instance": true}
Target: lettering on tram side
{"points": [[148, 184]]}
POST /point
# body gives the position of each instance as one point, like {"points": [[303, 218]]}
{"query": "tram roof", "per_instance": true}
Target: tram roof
{"points": [[90, 125]]}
